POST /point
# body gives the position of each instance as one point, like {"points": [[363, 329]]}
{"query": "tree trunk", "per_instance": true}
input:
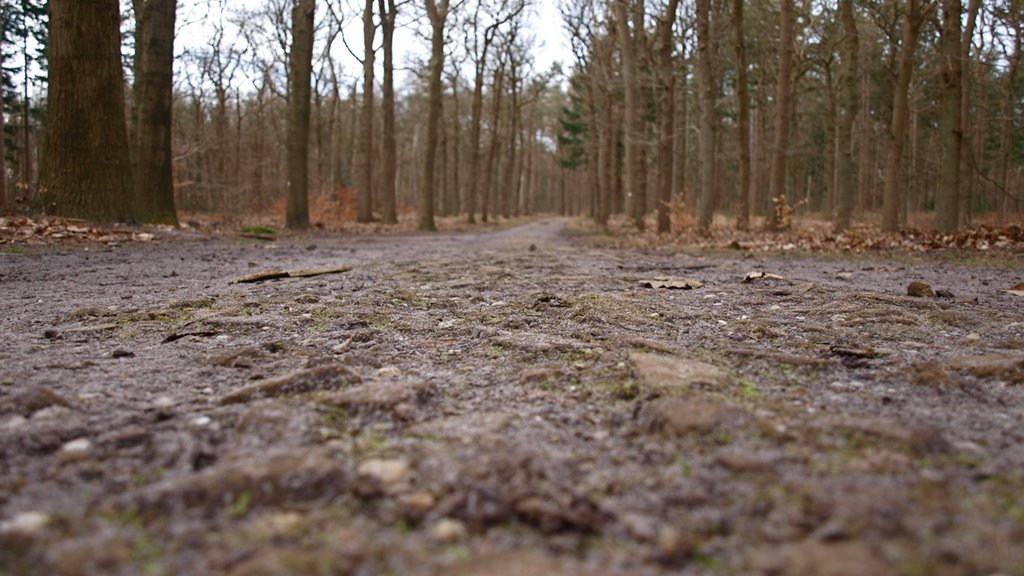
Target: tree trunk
{"points": [[437, 11], [300, 69], [497, 88], [5, 203], [967, 165], [388, 189], [913, 18], [708, 117], [85, 170], [667, 114], [682, 125], [633, 113], [742, 116], [364, 198], [783, 112], [947, 198], [154, 83], [851, 103]]}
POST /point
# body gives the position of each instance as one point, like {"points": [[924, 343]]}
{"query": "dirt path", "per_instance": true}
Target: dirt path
{"points": [[506, 403]]}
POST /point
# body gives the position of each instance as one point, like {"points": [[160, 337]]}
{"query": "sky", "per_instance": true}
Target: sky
{"points": [[197, 20]]}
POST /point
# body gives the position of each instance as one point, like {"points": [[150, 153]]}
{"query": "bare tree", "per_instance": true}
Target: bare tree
{"points": [[947, 201], [742, 115], [300, 70], [666, 112], [783, 110], [851, 103], [708, 117], [154, 82], [437, 12], [365, 186], [627, 12], [914, 12], [85, 171]]}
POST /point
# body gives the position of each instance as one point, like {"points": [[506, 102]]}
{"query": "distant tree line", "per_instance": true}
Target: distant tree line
{"points": [[743, 108]]}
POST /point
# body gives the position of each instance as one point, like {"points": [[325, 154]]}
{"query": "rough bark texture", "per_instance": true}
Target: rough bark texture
{"points": [[633, 138], [708, 117], [783, 110], [437, 11], [913, 18], [666, 116], [154, 83], [85, 170], [390, 156], [850, 47], [947, 198], [967, 162], [742, 116], [300, 70], [498, 88], [364, 199]]}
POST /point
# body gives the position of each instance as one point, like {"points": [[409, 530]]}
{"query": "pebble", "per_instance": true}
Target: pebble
{"points": [[201, 421], [448, 530], [25, 523], [14, 422], [389, 372], [387, 472], [419, 503], [76, 449], [919, 289]]}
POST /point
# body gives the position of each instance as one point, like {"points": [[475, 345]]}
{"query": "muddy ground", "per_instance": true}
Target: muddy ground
{"points": [[506, 403]]}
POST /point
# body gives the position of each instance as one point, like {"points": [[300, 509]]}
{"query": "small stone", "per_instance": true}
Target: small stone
{"points": [[533, 247], [673, 544], [448, 530], [387, 472], [919, 289], [201, 421], [419, 503], [25, 523], [163, 406], [670, 373], [943, 293], [51, 334], [972, 337], [389, 372], [34, 399], [14, 422], [122, 353], [76, 449]]}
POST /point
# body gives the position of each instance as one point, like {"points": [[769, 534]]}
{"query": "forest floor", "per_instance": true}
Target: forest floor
{"points": [[504, 403]]}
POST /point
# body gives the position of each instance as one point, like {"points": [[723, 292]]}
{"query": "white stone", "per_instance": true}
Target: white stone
{"points": [[27, 523]]}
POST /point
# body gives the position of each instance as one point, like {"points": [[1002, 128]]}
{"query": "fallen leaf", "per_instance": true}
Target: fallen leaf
{"points": [[672, 283], [1017, 290], [761, 275]]}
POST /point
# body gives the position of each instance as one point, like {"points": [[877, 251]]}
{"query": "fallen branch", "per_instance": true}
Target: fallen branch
{"points": [[277, 274]]}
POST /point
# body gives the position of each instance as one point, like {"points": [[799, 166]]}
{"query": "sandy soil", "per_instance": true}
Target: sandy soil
{"points": [[507, 403]]}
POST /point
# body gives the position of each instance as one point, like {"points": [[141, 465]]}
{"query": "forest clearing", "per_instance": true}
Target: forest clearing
{"points": [[535, 399]]}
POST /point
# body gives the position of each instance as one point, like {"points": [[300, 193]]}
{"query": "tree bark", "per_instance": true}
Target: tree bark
{"points": [[851, 103], [154, 83], [85, 171], [633, 138], [364, 198], [783, 111], [437, 11], [967, 157], [300, 69], [708, 117], [914, 17], [497, 88], [947, 202], [388, 184], [666, 117], [742, 116]]}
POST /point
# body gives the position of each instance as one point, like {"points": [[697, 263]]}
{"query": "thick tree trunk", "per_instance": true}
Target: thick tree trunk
{"points": [[967, 165], [708, 118], [913, 18], [300, 69], [633, 114], [851, 103], [5, 203], [364, 198], [783, 112], [666, 117], [388, 184], [85, 170], [681, 131], [437, 11], [947, 201], [154, 83], [742, 116]]}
